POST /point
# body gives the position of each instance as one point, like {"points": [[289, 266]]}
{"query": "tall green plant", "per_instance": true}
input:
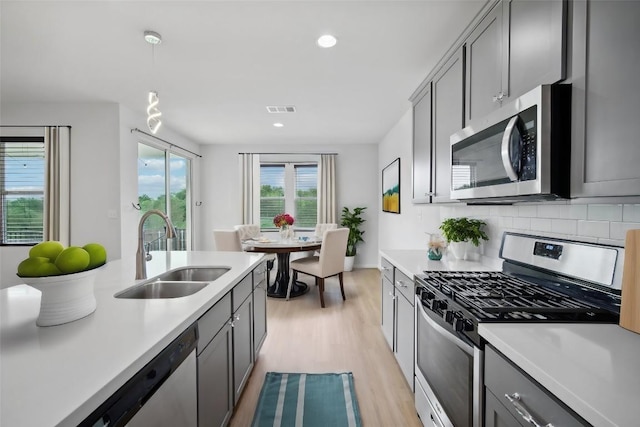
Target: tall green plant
{"points": [[463, 230], [352, 220]]}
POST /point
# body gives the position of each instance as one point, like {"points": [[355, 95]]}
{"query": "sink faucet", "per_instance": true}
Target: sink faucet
{"points": [[141, 255]]}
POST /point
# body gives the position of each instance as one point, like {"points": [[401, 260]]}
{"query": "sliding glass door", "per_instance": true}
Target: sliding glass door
{"points": [[164, 184]]}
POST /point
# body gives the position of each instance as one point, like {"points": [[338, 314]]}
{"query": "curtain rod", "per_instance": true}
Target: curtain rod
{"points": [[171, 144], [35, 126], [302, 152]]}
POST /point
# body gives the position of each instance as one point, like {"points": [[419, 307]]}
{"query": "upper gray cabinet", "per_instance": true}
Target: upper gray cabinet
{"points": [[421, 168], [519, 45], [606, 100], [448, 118]]}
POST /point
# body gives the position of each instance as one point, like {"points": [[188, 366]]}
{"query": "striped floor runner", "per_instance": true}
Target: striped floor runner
{"points": [[309, 400]]}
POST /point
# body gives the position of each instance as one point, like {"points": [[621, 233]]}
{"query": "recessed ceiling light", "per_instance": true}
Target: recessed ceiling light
{"points": [[152, 37], [278, 125], [327, 40]]}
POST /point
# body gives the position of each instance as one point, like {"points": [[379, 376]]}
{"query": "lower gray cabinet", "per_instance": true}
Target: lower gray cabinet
{"points": [[259, 308], [398, 317], [215, 383], [242, 326], [512, 398]]}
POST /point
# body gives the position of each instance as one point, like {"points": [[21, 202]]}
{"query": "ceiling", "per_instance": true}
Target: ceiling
{"points": [[222, 62]]}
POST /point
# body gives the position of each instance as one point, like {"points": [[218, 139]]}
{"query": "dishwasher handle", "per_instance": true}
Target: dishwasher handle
{"points": [[127, 401]]}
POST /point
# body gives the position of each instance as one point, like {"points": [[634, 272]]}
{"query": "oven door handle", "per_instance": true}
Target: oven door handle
{"points": [[467, 348], [506, 149]]}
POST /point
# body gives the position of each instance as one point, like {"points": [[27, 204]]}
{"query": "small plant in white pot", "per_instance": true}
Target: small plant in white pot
{"points": [[460, 232], [352, 220]]}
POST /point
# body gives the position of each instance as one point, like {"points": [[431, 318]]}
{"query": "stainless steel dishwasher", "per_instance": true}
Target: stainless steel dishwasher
{"points": [[163, 393]]}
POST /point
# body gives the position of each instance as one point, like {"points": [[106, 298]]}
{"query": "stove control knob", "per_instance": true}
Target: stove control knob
{"points": [[458, 322], [448, 316], [437, 304]]}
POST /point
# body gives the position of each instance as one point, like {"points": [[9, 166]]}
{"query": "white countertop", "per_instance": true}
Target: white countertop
{"points": [[593, 368], [58, 375], [414, 261]]}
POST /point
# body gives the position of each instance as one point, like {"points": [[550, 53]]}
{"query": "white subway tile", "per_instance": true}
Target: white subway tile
{"points": [[506, 222], [631, 213], [480, 211], [553, 211], [521, 223], [618, 230], [594, 228], [503, 210], [541, 224], [530, 211], [564, 226], [605, 212], [577, 211], [612, 242]]}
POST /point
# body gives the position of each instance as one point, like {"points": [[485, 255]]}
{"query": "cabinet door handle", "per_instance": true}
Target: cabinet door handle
{"points": [[392, 295], [401, 283], [498, 97], [515, 401]]}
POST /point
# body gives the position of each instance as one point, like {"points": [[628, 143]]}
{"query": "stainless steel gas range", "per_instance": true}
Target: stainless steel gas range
{"points": [[542, 280]]}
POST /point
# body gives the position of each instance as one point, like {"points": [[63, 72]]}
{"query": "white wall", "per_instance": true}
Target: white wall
{"points": [[95, 180], [357, 180], [601, 223], [104, 174]]}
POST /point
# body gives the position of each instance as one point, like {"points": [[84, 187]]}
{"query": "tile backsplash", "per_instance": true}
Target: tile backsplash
{"points": [[596, 223]]}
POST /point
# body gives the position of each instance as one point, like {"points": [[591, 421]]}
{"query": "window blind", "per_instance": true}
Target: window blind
{"points": [[22, 177], [306, 195], [272, 193]]}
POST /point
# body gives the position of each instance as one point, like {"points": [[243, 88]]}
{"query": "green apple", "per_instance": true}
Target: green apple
{"points": [[31, 267], [72, 260], [97, 254], [50, 249]]}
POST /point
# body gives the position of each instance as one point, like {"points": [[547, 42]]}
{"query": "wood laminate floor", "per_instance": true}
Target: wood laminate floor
{"points": [[344, 336]]}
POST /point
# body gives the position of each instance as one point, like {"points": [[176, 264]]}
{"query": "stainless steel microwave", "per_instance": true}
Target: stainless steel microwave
{"points": [[519, 152]]}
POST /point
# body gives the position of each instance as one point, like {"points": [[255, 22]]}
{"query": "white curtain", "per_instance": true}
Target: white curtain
{"points": [[57, 142], [250, 187], [327, 189]]}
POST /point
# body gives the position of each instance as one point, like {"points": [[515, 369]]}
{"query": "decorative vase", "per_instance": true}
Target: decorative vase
{"points": [[348, 263], [435, 253], [65, 298], [458, 249], [286, 233]]}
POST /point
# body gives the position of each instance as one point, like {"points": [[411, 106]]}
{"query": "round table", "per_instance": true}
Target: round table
{"points": [[283, 250]]}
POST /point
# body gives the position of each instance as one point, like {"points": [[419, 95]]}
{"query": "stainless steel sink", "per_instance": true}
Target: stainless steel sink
{"points": [[174, 284]]}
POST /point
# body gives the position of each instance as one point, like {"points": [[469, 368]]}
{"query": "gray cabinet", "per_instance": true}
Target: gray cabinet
{"points": [[511, 395], [259, 308], [215, 365], [519, 45], [448, 118], [242, 332], [605, 99], [398, 317], [421, 168], [215, 383], [388, 302], [485, 77]]}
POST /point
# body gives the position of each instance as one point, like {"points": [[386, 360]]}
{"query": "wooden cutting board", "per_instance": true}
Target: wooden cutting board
{"points": [[630, 309]]}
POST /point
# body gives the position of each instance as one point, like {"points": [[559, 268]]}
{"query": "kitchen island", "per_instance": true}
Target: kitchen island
{"points": [[58, 375]]}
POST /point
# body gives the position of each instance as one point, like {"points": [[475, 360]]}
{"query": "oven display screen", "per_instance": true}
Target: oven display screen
{"points": [[547, 250]]}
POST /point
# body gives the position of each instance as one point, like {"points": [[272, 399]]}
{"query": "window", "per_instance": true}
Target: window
{"points": [[22, 179], [162, 173], [291, 188]]}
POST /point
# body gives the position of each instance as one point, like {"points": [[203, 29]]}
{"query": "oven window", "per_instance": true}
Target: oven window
{"points": [[449, 371]]}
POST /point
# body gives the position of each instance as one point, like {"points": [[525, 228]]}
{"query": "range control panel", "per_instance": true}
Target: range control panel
{"points": [[547, 250]]}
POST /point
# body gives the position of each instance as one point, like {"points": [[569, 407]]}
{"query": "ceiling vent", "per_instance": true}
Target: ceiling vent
{"points": [[281, 109]]}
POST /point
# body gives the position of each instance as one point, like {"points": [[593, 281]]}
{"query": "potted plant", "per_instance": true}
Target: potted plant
{"points": [[352, 220], [459, 232]]}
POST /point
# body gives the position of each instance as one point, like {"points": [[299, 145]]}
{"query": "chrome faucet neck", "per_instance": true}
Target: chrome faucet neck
{"points": [[141, 261]]}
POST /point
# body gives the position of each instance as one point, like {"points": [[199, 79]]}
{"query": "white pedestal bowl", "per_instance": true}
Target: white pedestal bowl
{"points": [[65, 298]]}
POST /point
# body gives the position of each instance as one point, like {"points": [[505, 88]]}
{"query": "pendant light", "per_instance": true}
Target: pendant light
{"points": [[153, 113]]}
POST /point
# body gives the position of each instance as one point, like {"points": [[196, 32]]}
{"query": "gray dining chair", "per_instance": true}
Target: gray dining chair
{"points": [[227, 240], [329, 263]]}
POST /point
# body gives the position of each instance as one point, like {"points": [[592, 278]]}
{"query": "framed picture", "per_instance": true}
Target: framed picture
{"points": [[391, 187]]}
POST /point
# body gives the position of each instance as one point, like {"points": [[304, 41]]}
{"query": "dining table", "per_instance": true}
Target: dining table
{"points": [[283, 250]]}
